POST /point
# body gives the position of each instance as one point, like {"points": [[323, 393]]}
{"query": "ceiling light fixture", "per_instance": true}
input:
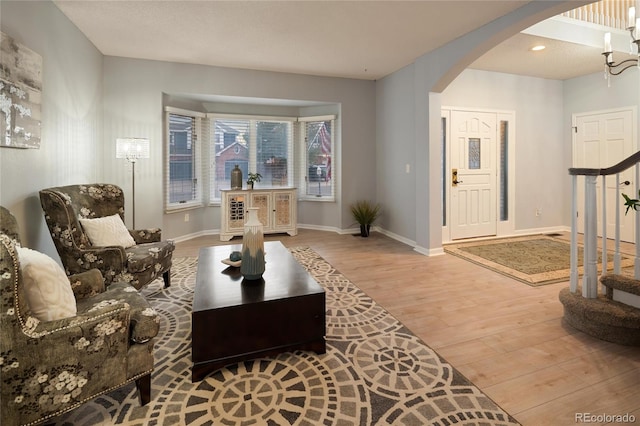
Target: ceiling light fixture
{"points": [[612, 68], [538, 47]]}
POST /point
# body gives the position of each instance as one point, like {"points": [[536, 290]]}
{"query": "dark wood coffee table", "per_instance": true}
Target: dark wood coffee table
{"points": [[234, 320]]}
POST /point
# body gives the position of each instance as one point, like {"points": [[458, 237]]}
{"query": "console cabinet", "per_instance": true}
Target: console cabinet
{"points": [[278, 210]]}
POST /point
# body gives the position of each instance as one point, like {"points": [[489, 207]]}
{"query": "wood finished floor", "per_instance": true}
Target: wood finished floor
{"points": [[506, 337]]}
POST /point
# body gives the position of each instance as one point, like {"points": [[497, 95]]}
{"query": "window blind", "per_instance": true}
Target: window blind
{"points": [[183, 165], [316, 163], [256, 145]]}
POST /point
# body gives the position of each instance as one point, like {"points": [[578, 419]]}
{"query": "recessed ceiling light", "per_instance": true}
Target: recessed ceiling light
{"points": [[538, 47]]}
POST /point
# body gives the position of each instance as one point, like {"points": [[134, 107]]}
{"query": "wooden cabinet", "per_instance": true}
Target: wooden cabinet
{"points": [[277, 210]]}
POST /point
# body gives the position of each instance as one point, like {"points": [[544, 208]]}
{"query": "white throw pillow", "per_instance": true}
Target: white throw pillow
{"points": [[107, 231], [47, 287]]}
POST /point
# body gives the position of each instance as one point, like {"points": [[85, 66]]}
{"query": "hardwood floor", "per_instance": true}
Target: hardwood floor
{"points": [[506, 337]]}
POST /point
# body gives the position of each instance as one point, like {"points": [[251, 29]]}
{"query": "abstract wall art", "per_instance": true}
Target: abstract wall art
{"points": [[20, 94]]}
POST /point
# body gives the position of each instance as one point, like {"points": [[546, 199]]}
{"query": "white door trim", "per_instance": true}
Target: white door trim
{"points": [[633, 111], [503, 227]]}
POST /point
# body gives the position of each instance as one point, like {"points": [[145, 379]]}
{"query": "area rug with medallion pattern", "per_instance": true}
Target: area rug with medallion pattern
{"points": [[375, 372], [534, 260]]}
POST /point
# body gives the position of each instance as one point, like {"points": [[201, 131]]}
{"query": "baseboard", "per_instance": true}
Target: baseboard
{"points": [[429, 252], [395, 236], [437, 251], [193, 235], [536, 231], [422, 250], [327, 229]]}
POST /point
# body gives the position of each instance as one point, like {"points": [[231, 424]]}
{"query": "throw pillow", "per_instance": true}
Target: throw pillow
{"points": [[107, 231], [47, 288]]}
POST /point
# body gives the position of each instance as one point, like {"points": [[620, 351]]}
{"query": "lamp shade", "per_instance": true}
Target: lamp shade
{"points": [[132, 148]]}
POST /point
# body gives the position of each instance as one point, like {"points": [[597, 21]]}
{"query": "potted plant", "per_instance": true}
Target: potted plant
{"points": [[365, 213], [251, 178]]}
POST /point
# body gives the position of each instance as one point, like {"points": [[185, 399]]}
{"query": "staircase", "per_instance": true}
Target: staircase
{"points": [[609, 311]]}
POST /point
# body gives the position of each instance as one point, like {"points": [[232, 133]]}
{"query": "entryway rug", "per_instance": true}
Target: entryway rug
{"points": [[375, 372], [534, 260]]}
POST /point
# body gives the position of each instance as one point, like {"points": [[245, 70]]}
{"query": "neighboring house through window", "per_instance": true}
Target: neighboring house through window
{"points": [[257, 144], [183, 171], [317, 179]]}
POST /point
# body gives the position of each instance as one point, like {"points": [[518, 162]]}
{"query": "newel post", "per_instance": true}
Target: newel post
{"points": [[573, 275], [590, 278]]}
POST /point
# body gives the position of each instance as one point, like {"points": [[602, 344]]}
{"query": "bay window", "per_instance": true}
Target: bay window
{"points": [[317, 179], [202, 149], [256, 145], [183, 172]]}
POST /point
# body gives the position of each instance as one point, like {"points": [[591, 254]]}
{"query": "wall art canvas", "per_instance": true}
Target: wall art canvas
{"points": [[20, 94]]}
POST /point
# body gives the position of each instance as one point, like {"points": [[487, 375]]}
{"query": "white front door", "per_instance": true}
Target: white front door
{"points": [[473, 174], [603, 139]]}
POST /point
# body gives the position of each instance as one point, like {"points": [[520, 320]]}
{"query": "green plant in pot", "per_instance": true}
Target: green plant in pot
{"points": [[252, 178], [365, 213]]}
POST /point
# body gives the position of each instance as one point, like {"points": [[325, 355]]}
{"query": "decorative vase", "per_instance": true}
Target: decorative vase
{"points": [[253, 264], [365, 230], [236, 178]]}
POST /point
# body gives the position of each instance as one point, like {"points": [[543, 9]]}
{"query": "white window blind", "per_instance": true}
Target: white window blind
{"points": [[202, 149], [316, 159], [256, 145], [183, 165]]}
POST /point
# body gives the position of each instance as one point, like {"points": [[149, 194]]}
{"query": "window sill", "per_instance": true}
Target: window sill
{"points": [[317, 199], [177, 208]]}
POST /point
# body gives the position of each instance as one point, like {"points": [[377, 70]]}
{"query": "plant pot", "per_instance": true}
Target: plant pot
{"points": [[249, 185], [365, 230]]}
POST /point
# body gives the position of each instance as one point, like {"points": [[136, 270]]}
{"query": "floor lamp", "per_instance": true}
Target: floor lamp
{"points": [[132, 149]]}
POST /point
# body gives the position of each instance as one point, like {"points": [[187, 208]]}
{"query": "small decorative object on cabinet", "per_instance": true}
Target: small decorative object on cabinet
{"points": [[236, 178], [252, 178], [253, 264], [277, 211]]}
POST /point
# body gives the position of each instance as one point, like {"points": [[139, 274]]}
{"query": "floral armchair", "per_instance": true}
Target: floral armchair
{"points": [[50, 367], [66, 206]]}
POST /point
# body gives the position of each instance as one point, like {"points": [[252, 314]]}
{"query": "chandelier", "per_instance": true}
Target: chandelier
{"points": [[610, 66]]}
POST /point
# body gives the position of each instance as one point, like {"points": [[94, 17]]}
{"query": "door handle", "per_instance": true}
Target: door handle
{"points": [[454, 177]]}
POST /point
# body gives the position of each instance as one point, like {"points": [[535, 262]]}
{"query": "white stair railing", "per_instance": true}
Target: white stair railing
{"points": [[610, 13], [590, 277]]}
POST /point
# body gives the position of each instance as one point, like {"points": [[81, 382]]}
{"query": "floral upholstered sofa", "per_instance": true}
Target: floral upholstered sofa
{"points": [[137, 256], [80, 340]]}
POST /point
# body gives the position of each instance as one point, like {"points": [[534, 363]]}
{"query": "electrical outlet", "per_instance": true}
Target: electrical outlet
{"points": [[538, 212], [186, 217]]}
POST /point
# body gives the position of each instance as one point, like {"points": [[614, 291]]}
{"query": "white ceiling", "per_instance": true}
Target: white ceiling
{"points": [[560, 60], [352, 39]]}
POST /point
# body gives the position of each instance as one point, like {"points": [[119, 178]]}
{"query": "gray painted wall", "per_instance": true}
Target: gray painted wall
{"points": [[425, 80], [71, 116], [538, 108], [90, 100], [133, 107], [395, 188]]}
